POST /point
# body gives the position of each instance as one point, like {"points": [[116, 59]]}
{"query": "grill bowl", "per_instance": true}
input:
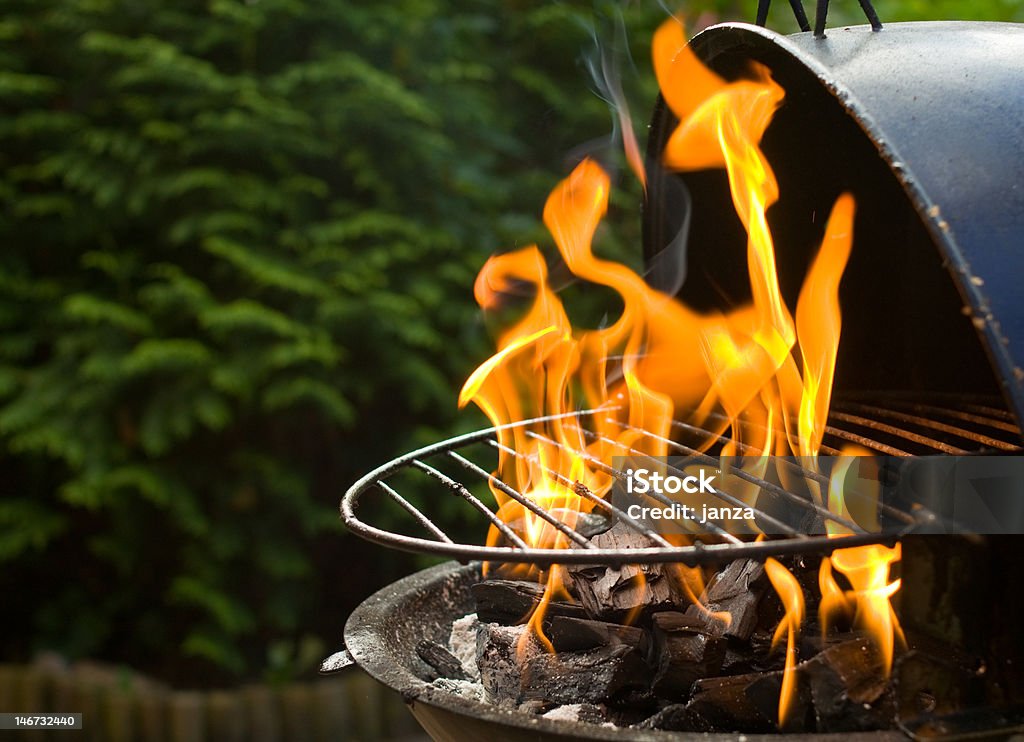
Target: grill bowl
{"points": [[382, 633]]}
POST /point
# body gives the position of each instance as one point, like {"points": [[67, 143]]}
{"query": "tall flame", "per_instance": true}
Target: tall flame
{"points": [[788, 588], [753, 374]]}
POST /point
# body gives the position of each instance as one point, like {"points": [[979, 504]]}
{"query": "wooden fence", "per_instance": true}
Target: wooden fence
{"points": [[119, 705]]}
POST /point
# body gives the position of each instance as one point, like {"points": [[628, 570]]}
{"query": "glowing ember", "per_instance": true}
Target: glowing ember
{"points": [[739, 367]]}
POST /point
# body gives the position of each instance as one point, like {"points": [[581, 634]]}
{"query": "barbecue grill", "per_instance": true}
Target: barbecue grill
{"points": [[930, 362]]}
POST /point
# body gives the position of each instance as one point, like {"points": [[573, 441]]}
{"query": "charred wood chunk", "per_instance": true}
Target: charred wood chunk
{"points": [[684, 655], [595, 676], [676, 718], [683, 660], [843, 688], [444, 662], [857, 665], [632, 706], [848, 688], [614, 593], [568, 634], [764, 694], [761, 642], [676, 621], [500, 661], [512, 601], [736, 590], [739, 661], [722, 704], [753, 655]]}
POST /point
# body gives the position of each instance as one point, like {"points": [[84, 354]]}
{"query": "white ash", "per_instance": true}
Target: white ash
{"points": [[583, 713], [462, 688], [569, 712], [500, 658], [462, 643]]}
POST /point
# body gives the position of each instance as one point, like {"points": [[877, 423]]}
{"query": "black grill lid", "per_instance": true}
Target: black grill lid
{"points": [[943, 104]]}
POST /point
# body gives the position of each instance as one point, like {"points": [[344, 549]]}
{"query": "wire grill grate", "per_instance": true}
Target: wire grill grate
{"points": [[899, 426]]}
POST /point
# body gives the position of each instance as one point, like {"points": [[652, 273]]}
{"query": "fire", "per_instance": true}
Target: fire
{"points": [[753, 373], [865, 567], [788, 588]]}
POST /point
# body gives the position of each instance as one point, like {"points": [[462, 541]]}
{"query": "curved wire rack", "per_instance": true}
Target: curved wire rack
{"points": [[897, 426]]}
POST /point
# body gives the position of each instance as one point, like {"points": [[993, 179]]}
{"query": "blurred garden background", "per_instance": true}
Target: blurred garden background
{"points": [[237, 246]]}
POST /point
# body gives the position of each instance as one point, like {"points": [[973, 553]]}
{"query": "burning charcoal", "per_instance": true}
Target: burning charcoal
{"points": [[848, 688], [739, 660], [676, 621], [722, 704], [761, 642], [512, 601], [462, 643], [444, 662], [738, 590], [675, 718], [496, 656], [684, 655], [812, 642], [840, 689], [857, 664], [612, 593], [632, 706], [764, 693], [594, 676], [575, 634], [754, 655]]}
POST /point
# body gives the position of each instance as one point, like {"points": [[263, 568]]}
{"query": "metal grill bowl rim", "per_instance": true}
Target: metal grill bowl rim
{"points": [[381, 634]]}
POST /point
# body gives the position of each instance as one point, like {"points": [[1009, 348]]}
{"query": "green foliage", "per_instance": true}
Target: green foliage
{"points": [[239, 240]]}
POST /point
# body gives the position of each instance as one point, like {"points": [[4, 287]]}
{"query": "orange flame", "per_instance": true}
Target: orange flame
{"points": [[788, 588], [735, 373], [834, 604], [818, 321], [865, 567]]}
